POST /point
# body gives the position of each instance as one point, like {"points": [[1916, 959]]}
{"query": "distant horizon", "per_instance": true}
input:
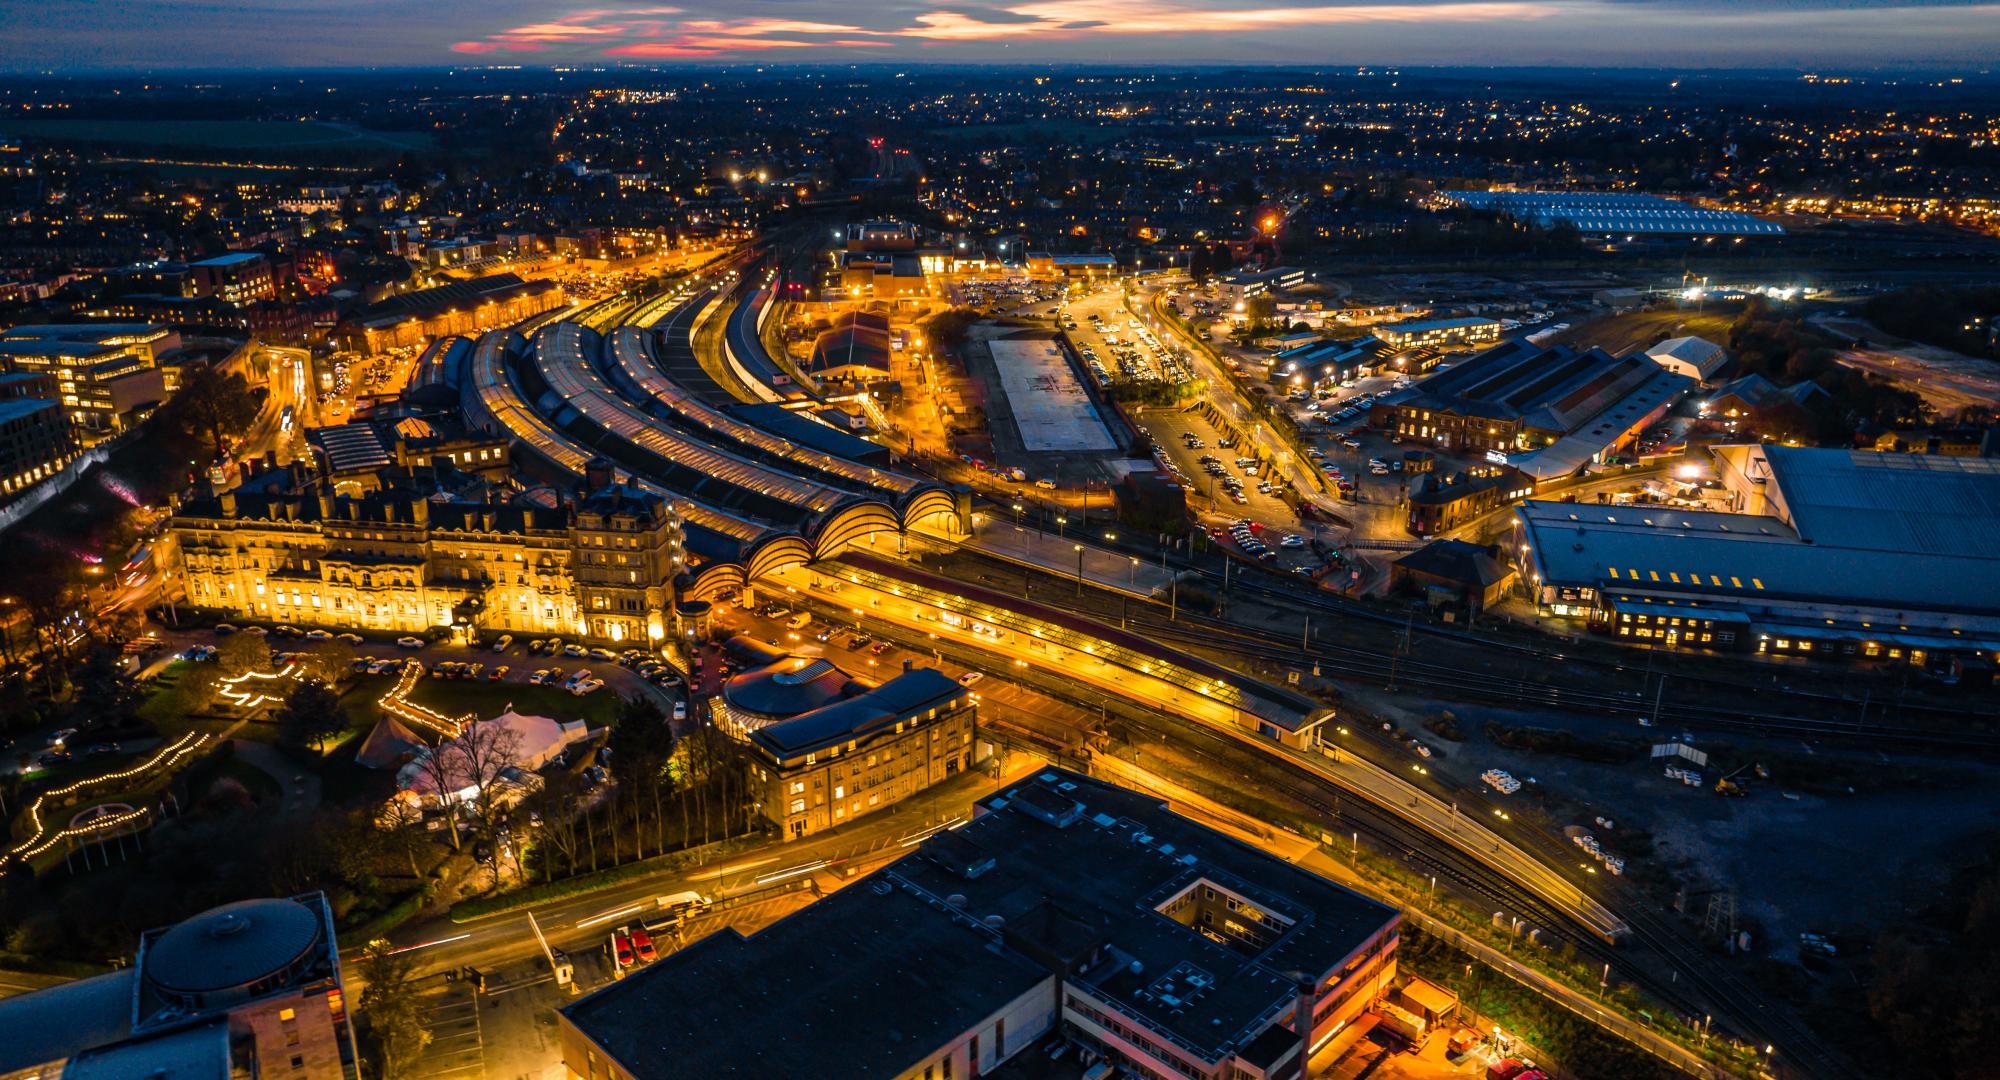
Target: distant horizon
{"points": [[1972, 75], [103, 37]]}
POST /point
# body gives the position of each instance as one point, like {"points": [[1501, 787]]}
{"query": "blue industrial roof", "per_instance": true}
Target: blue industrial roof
{"points": [[1600, 212], [234, 258]]}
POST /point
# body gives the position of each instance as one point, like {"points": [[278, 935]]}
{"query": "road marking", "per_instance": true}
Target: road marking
{"points": [[609, 915], [428, 944], [780, 875]]}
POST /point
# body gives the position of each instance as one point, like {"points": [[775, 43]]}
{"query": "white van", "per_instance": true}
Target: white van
{"points": [[799, 621], [682, 904]]}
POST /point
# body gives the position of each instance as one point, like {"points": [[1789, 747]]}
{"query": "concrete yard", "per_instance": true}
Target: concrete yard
{"points": [[1050, 407]]}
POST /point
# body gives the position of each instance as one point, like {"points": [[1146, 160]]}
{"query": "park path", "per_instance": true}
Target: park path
{"points": [[301, 788]]}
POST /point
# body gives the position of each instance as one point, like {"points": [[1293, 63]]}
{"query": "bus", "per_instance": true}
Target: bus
{"points": [[138, 568]]}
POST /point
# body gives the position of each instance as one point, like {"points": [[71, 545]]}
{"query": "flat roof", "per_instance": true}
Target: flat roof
{"points": [[1056, 873], [16, 408], [874, 981], [65, 1020], [1418, 326]]}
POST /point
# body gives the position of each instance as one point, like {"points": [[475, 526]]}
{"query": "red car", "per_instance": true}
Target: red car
{"points": [[621, 949], [642, 943]]}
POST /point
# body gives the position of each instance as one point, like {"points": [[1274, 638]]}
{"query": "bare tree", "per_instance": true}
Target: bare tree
{"points": [[468, 774]]}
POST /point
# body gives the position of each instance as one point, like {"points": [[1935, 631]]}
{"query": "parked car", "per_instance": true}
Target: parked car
{"points": [[587, 686], [351, 639], [223, 628], [970, 677], [505, 642], [680, 710], [642, 945], [497, 673], [410, 642], [605, 655], [575, 652], [319, 635], [539, 678]]}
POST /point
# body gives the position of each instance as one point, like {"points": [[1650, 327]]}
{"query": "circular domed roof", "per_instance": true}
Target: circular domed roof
{"points": [[787, 688], [230, 946]]}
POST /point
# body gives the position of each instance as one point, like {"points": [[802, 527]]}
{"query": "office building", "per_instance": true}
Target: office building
{"points": [[247, 989], [1066, 906], [238, 279], [828, 747], [1440, 333], [106, 373], [1844, 555], [1548, 411], [432, 547], [1241, 285], [36, 440]]}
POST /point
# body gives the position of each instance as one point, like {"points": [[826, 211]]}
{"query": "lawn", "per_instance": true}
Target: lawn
{"points": [[489, 699], [234, 135]]}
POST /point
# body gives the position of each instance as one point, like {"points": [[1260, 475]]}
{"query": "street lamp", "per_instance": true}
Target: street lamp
{"points": [[1079, 569]]}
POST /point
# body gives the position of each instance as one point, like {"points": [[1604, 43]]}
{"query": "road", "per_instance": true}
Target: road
{"points": [[580, 924], [1012, 650]]}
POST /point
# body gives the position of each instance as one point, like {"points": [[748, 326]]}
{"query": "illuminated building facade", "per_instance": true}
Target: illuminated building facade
{"points": [[432, 548], [238, 279], [103, 371], [36, 440], [829, 748]]}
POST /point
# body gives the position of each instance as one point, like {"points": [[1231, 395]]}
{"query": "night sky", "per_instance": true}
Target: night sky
{"points": [[69, 35]]}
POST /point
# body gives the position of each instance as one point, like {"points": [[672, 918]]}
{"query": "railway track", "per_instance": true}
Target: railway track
{"points": [[1490, 684]]}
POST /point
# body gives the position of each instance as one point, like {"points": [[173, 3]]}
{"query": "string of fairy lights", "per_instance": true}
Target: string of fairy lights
{"points": [[40, 839]]}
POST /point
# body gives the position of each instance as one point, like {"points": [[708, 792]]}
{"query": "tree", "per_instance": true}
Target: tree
{"points": [[468, 774], [330, 661], [389, 1003], [311, 714], [641, 745], [106, 693], [242, 653], [212, 406]]}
